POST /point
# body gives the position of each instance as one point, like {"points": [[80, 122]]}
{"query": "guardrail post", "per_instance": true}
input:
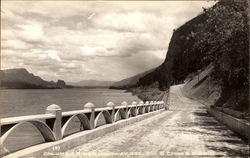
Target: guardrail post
{"points": [[56, 124], [147, 109], [92, 116], [135, 108], [151, 106], [111, 104], [126, 111], [142, 107], [162, 104], [155, 105]]}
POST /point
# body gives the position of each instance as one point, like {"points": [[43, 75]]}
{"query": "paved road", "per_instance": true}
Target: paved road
{"points": [[186, 129]]}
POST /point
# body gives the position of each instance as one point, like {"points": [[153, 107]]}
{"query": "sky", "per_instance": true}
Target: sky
{"points": [[81, 40]]}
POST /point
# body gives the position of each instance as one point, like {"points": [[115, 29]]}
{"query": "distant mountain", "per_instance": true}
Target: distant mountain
{"points": [[21, 79], [91, 83], [131, 81]]}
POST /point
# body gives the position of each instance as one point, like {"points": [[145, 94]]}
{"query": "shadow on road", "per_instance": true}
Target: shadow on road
{"points": [[223, 140], [228, 151], [217, 137]]}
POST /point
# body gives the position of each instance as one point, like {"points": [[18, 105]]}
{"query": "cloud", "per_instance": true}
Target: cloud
{"points": [[97, 51], [108, 40], [53, 55], [30, 33], [14, 44], [128, 22]]}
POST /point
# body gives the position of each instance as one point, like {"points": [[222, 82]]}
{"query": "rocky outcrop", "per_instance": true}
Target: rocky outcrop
{"points": [[60, 84]]}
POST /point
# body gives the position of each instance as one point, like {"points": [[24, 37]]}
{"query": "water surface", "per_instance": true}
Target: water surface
{"points": [[15, 102]]}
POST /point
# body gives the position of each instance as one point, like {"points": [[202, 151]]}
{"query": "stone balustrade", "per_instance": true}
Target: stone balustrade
{"points": [[53, 123]]}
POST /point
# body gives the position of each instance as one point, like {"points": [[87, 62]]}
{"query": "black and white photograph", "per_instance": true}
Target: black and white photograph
{"points": [[124, 79]]}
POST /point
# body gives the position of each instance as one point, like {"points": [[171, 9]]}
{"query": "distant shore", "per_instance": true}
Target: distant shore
{"points": [[143, 94]]}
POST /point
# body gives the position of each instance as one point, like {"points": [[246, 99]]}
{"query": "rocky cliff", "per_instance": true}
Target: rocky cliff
{"points": [[219, 37]]}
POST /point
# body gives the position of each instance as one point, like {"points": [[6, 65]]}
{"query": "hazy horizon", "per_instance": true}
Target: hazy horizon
{"points": [[83, 40]]}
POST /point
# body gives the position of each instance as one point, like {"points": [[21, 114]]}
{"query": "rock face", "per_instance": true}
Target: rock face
{"points": [[219, 37], [22, 79], [179, 62], [61, 84], [182, 59]]}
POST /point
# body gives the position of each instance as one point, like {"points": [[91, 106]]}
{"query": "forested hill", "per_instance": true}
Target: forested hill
{"points": [[220, 37]]}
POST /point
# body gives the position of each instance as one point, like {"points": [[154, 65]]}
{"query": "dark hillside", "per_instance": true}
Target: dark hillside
{"points": [[177, 63], [21, 79], [220, 35]]}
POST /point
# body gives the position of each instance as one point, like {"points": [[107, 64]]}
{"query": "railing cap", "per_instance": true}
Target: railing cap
{"points": [[89, 105], [53, 107], [110, 104], [124, 103], [141, 102], [134, 103]]}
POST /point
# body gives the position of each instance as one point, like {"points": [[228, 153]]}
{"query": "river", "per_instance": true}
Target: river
{"points": [[15, 102]]}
